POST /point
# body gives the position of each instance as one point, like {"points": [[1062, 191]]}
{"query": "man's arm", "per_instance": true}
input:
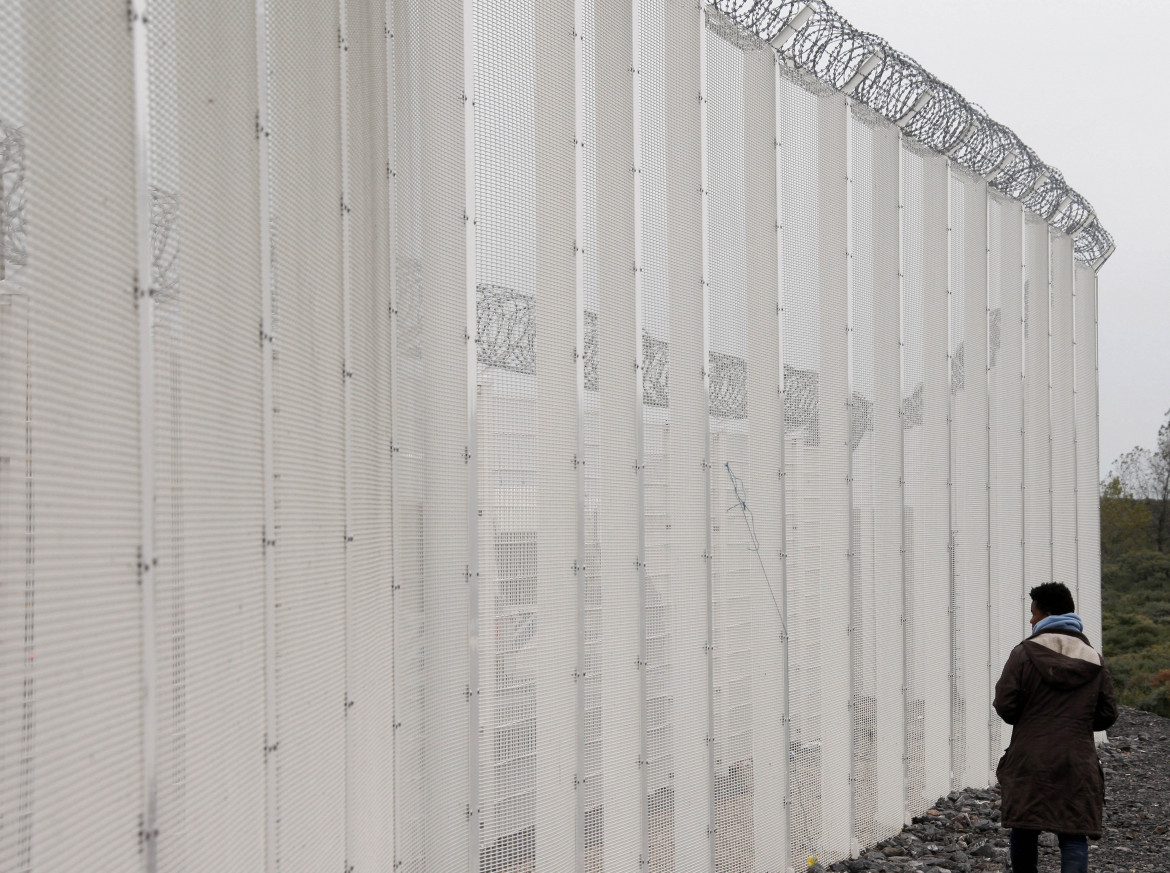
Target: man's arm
{"points": [[1105, 712], [1009, 697]]}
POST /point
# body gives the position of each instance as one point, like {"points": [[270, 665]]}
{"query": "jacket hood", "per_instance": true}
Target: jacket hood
{"points": [[1064, 660]]}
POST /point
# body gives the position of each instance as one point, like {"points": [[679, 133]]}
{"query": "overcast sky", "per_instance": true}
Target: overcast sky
{"points": [[1083, 84]]}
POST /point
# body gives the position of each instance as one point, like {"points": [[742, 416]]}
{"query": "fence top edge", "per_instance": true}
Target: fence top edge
{"points": [[811, 36]]}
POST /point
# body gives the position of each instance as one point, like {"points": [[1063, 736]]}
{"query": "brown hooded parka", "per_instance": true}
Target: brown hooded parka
{"points": [[1056, 692]]}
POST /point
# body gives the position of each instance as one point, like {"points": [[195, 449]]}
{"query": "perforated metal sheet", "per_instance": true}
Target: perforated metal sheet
{"points": [[925, 516], [1037, 415], [1087, 406], [1064, 460], [769, 667], [430, 407], [971, 713], [209, 480], [750, 766], [72, 711], [17, 517], [369, 758], [1005, 385], [622, 825], [875, 442], [812, 128]]}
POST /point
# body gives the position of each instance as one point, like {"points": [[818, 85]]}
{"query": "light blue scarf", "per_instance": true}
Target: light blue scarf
{"points": [[1067, 621]]}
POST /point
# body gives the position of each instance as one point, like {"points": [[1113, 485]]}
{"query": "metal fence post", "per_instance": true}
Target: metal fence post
{"points": [[147, 562], [906, 713], [992, 618], [472, 452], [267, 341], [787, 715], [639, 439], [704, 184], [1052, 490], [953, 605], [854, 594], [580, 561], [1023, 417]]}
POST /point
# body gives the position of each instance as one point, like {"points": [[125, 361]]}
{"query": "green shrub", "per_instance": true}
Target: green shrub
{"points": [[1141, 572], [1129, 632]]}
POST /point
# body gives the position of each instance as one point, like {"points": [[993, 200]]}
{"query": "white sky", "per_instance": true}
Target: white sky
{"points": [[1082, 83]]}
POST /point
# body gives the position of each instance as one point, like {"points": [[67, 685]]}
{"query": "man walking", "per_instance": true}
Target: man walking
{"points": [[1055, 690]]}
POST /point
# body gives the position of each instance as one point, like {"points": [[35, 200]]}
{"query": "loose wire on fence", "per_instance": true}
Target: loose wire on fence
{"points": [[749, 521]]}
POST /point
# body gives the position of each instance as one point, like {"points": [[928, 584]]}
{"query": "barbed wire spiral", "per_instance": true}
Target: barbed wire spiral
{"points": [[812, 36]]}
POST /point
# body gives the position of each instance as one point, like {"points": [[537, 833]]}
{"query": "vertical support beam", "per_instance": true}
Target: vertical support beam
{"points": [[147, 563], [639, 441], [579, 561], [267, 340], [1051, 489], [708, 557], [1072, 317], [472, 452], [992, 619], [395, 501], [906, 714], [1097, 418], [952, 607], [854, 594], [619, 397], [1023, 328], [786, 716], [346, 386]]}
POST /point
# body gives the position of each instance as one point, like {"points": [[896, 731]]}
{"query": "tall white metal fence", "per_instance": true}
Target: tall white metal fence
{"points": [[493, 436]]}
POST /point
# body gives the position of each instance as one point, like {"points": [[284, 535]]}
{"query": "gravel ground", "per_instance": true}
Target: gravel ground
{"points": [[1137, 796], [961, 833]]}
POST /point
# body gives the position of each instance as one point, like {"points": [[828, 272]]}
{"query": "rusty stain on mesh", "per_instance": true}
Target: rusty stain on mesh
{"points": [[813, 37]]}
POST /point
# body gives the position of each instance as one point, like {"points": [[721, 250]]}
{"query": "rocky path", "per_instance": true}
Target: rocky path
{"points": [[961, 833], [1137, 796]]}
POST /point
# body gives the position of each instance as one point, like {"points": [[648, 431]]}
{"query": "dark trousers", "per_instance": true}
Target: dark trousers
{"points": [[1074, 851]]}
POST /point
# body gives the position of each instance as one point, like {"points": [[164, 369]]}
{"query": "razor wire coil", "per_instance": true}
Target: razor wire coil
{"points": [[815, 38]]}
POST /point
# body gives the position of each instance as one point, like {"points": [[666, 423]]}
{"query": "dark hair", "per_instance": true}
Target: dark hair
{"points": [[1053, 598]]}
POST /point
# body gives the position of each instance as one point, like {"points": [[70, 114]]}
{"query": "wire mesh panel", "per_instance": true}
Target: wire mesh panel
{"points": [[924, 517], [763, 483], [72, 671], [732, 573], [816, 426], [558, 827], [1004, 362], [17, 520], [1088, 505], [592, 589], [170, 618], [620, 829], [430, 397], [667, 575], [369, 624], [1064, 460], [509, 487], [208, 445], [744, 600], [527, 428], [970, 701], [875, 444], [680, 798], [1037, 447], [310, 299]]}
